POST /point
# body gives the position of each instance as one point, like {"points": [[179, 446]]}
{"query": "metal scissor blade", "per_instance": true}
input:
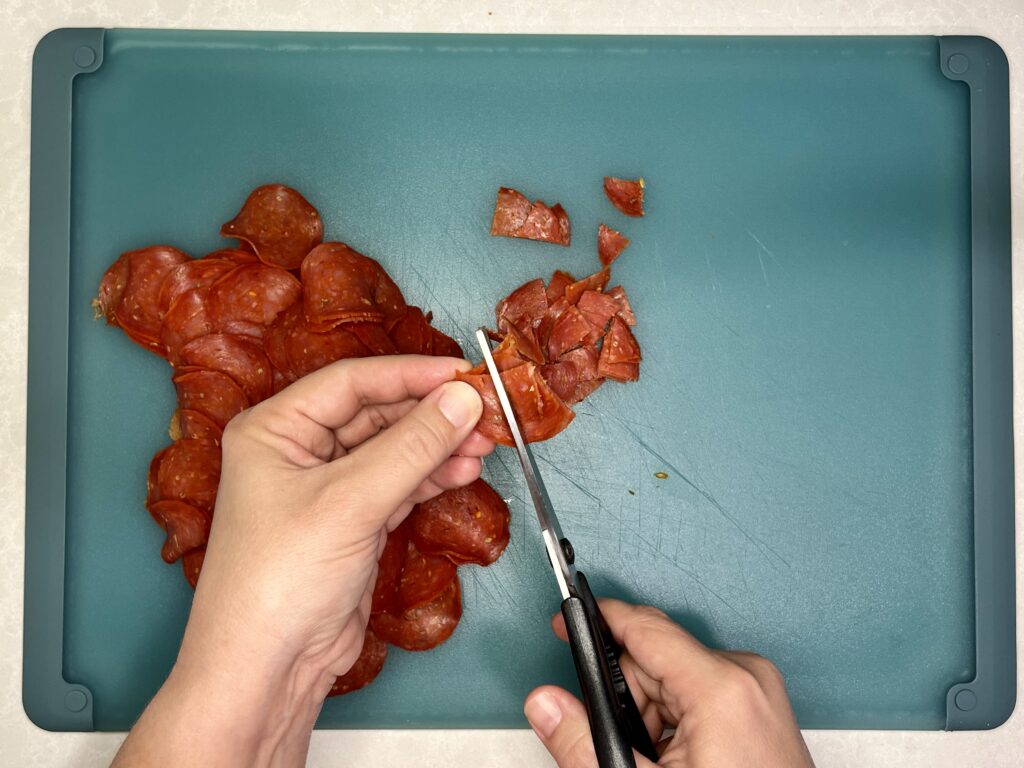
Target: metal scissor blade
{"points": [[550, 530]]}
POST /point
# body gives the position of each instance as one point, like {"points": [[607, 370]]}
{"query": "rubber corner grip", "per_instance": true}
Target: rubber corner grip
{"points": [[68, 51]]}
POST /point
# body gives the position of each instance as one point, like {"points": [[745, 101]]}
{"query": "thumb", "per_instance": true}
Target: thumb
{"points": [[402, 456], [560, 722]]}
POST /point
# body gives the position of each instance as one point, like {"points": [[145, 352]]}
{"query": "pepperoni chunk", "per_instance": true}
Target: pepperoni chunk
{"points": [[424, 627], [625, 194], [563, 378], [240, 358], [620, 353], [279, 224], [598, 308], [540, 412], [188, 471], [527, 303], [610, 243], [193, 275], [557, 285], [569, 331], [625, 310], [369, 664], [213, 394], [343, 286], [424, 576], [129, 294], [515, 216], [594, 282], [187, 527], [192, 564], [469, 524], [252, 294]]}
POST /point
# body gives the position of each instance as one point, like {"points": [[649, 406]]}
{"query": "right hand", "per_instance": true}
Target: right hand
{"points": [[727, 708]]}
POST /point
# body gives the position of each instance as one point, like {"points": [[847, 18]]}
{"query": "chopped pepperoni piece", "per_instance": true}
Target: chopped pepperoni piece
{"points": [[213, 394], [251, 295], [625, 310], [517, 347], [570, 330], [425, 627], [610, 243], [241, 358], [625, 194], [424, 576], [621, 371], [540, 412], [594, 282], [563, 378], [192, 564], [527, 302], [129, 294], [343, 286], [557, 284], [279, 224], [187, 527], [189, 471], [374, 337], [369, 664], [585, 359], [468, 524], [389, 572], [194, 274], [598, 308], [585, 389], [514, 216], [620, 345]]}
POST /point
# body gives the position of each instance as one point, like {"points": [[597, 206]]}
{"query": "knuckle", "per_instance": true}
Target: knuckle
{"points": [[738, 687]]}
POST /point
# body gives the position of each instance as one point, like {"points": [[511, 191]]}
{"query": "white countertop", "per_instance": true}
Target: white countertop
{"points": [[23, 22]]}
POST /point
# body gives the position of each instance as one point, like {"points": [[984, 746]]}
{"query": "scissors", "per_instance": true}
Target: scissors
{"points": [[615, 722]]}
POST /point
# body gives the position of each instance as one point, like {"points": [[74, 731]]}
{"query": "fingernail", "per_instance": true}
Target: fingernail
{"points": [[459, 403], [543, 713]]}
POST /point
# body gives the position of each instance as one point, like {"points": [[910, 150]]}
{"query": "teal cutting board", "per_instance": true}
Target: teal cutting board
{"points": [[803, 283]]}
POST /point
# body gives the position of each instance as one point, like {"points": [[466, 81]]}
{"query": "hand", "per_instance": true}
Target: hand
{"points": [[727, 708], [312, 479]]}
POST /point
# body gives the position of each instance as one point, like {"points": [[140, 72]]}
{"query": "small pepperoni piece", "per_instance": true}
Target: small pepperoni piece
{"points": [[598, 308], [468, 524], [563, 378], [570, 331], [369, 664], [626, 194], [189, 471], [625, 310], [213, 394], [540, 412], [528, 302], [594, 282], [610, 243], [241, 358], [192, 565], [187, 527], [251, 295], [511, 209], [425, 627], [557, 284], [620, 353], [515, 216], [279, 224]]}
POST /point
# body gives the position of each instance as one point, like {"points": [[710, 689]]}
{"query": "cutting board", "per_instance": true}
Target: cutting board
{"points": [[816, 463]]}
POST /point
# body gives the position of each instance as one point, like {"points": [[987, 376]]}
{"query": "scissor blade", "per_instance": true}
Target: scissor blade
{"points": [[550, 530]]}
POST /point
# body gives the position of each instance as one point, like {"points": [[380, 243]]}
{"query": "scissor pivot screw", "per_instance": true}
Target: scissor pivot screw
{"points": [[568, 551]]}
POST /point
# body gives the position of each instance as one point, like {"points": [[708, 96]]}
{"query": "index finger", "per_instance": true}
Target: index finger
{"points": [[672, 667]]}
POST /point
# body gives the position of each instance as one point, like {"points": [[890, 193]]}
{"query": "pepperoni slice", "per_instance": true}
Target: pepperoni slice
{"points": [[251, 295], [540, 412], [275, 340], [374, 337], [515, 216], [389, 572], [306, 350], [369, 664], [411, 333], [189, 471], [529, 301], [610, 243], [424, 576], [594, 282], [192, 564], [443, 345], [620, 353], [280, 381], [563, 378], [241, 255], [625, 194], [279, 224], [598, 308], [193, 424], [585, 359], [213, 394], [129, 292], [187, 319], [194, 274], [468, 524], [241, 358], [343, 286], [557, 284], [425, 627], [517, 348], [569, 331], [625, 310], [187, 527]]}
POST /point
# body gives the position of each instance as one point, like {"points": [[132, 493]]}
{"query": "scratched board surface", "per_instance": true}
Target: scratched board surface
{"points": [[802, 287]]}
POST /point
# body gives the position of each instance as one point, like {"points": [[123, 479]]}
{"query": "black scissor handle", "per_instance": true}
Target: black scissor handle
{"points": [[615, 722]]}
